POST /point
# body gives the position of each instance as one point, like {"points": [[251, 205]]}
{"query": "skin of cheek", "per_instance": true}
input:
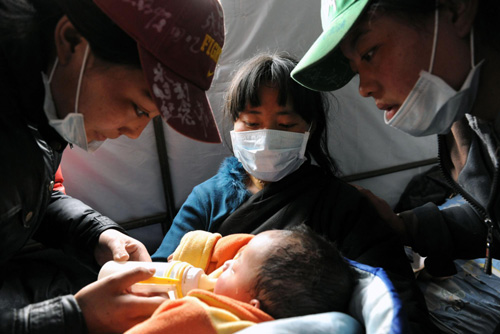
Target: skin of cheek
{"points": [[402, 52], [402, 73], [111, 113], [452, 55]]}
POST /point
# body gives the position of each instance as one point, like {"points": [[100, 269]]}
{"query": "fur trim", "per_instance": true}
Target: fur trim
{"points": [[232, 177]]}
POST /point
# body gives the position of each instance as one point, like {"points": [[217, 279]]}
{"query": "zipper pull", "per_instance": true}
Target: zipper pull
{"points": [[489, 241]]}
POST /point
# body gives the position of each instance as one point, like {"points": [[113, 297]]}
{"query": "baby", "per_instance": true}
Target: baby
{"points": [[278, 274]]}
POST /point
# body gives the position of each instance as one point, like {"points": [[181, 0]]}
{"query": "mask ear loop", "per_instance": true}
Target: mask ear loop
{"points": [[52, 71], [304, 141], [434, 43], [310, 127], [472, 60], [82, 69]]}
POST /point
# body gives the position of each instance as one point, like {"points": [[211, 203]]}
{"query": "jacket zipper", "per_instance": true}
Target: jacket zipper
{"points": [[482, 212]]}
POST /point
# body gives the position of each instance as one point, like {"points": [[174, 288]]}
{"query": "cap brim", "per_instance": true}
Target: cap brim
{"points": [[324, 67], [183, 105]]}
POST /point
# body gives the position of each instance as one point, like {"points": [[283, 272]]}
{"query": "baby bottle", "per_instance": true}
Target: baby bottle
{"points": [[175, 278]]}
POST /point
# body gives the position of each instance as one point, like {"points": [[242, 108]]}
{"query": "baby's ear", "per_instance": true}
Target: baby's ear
{"points": [[255, 303]]}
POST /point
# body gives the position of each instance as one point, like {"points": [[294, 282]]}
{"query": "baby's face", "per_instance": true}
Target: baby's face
{"points": [[238, 279]]}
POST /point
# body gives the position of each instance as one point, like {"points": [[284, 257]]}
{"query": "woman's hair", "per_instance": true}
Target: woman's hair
{"points": [[274, 70], [415, 11], [304, 274], [38, 18]]}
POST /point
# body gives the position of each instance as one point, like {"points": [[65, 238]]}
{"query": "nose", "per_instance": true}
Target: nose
{"points": [[134, 129], [368, 85], [365, 87], [270, 125], [228, 264]]}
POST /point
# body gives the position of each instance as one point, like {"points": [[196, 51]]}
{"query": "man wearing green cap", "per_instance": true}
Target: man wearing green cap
{"points": [[432, 67]]}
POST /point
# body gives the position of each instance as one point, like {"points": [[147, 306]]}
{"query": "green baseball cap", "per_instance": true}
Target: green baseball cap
{"points": [[324, 67]]}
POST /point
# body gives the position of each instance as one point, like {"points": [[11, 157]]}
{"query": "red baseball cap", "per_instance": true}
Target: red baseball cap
{"points": [[179, 44]]}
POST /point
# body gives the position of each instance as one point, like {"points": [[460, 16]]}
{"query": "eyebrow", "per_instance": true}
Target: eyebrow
{"points": [[357, 33], [281, 112]]}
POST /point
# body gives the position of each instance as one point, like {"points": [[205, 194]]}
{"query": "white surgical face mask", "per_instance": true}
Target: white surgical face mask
{"points": [[270, 155], [72, 127], [432, 105]]}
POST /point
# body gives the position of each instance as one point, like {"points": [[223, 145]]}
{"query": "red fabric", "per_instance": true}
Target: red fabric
{"points": [[181, 316], [186, 316], [226, 248], [242, 310], [59, 179]]}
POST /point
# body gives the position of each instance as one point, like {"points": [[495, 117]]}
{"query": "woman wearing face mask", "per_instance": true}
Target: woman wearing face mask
{"points": [[282, 175], [432, 67], [81, 72]]}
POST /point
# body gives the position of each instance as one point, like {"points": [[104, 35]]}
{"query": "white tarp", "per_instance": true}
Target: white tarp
{"points": [[122, 179]]}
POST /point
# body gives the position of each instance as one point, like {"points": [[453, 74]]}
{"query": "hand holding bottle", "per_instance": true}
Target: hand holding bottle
{"points": [[107, 305]]}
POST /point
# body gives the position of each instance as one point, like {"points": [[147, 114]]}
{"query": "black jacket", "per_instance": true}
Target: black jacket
{"points": [[462, 231], [29, 207]]}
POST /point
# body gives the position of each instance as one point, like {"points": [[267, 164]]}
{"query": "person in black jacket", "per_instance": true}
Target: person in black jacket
{"points": [[82, 72]]}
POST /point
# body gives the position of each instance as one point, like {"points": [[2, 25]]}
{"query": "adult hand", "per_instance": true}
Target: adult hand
{"points": [[114, 245], [107, 306], [385, 212]]}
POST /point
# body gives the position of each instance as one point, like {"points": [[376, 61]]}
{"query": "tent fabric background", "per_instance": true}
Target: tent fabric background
{"points": [[122, 179]]}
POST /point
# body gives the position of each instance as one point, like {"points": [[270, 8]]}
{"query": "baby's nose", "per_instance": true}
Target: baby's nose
{"points": [[228, 264]]}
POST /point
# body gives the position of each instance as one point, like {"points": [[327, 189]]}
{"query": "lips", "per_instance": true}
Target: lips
{"points": [[389, 114], [390, 110]]}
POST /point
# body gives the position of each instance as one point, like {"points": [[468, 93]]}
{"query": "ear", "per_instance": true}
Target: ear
{"points": [[255, 303], [66, 39], [463, 13]]}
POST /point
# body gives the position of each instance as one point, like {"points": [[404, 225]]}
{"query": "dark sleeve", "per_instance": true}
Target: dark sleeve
{"points": [[73, 226], [445, 235], [60, 315], [362, 236]]}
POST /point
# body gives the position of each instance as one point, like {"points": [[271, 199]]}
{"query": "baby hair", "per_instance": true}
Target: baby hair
{"points": [[305, 274]]}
